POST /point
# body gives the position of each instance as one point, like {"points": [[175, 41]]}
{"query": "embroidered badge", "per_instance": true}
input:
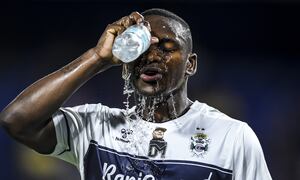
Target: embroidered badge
{"points": [[157, 143], [199, 144]]}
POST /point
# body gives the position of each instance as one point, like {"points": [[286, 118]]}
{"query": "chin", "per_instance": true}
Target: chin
{"points": [[148, 89], [150, 92]]}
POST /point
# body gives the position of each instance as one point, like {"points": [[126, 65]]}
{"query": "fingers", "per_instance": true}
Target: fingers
{"points": [[137, 17], [154, 40], [115, 29], [133, 18], [119, 26], [147, 25], [105, 43]]}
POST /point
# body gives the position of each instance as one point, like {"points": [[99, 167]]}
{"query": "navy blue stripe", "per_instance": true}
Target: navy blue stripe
{"points": [[68, 135], [121, 153], [195, 163], [163, 161]]}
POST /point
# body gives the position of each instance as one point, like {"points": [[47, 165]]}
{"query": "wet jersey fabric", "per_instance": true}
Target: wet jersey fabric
{"points": [[202, 144]]}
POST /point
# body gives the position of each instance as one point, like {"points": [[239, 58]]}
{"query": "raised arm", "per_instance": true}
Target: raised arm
{"points": [[28, 117]]}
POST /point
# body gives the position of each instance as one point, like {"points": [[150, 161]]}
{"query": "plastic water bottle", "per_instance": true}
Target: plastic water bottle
{"points": [[134, 41]]}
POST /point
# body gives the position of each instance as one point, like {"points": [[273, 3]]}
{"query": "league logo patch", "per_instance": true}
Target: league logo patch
{"points": [[199, 144], [157, 143]]}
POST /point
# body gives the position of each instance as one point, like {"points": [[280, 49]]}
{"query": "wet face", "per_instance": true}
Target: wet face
{"points": [[161, 69]]}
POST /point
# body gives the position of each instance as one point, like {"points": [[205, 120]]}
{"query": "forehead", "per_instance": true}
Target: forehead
{"points": [[163, 27]]}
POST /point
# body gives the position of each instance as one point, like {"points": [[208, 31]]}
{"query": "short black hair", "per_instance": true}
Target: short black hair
{"points": [[171, 15]]}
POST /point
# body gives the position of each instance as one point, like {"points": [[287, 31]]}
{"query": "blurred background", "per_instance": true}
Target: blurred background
{"points": [[248, 67]]}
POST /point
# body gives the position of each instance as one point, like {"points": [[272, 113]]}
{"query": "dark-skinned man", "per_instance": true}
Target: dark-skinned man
{"points": [[192, 139]]}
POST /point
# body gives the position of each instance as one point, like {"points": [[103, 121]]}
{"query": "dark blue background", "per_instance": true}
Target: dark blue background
{"points": [[248, 67]]}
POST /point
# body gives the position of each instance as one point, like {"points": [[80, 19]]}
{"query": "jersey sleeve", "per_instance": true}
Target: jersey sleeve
{"points": [[249, 161], [75, 127]]}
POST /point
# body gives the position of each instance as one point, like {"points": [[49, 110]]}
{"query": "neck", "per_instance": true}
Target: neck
{"points": [[164, 108]]}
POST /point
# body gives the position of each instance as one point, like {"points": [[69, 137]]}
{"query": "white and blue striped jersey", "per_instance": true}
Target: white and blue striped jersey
{"points": [[202, 144]]}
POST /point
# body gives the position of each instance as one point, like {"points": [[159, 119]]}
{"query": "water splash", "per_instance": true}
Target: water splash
{"points": [[138, 120], [174, 112], [141, 105], [127, 90], [146, 106], [137, 144], [181, 31], [151, 109]]}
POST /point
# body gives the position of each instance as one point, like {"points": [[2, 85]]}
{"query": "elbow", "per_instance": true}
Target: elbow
{"points": [[9, 122], [4, 120], [16, 126]]}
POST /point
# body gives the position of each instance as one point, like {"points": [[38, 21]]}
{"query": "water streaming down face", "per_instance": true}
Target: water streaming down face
{"points": [[127, 90], [141, 130], [146, 106], [182, 32], [174, 113], [137, 120]]}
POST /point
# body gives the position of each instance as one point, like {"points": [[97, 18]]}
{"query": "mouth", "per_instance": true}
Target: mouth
{"points": [[151, 74]]}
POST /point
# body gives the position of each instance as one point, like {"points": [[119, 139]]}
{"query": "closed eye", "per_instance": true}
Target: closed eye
{"points": [[168, 45]]}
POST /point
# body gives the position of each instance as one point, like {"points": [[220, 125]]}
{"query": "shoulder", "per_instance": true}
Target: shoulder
{"points": [[83, 115], [240, 131], [213, 117], [88, 109]]}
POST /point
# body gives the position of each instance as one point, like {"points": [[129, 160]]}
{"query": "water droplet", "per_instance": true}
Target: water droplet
{"points": [[166, 68], [141, 130], [127, 90], [174, 112]]}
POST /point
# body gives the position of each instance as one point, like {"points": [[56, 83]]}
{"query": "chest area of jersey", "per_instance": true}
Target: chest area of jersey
{"points": [[105, 163], [159, 142]]}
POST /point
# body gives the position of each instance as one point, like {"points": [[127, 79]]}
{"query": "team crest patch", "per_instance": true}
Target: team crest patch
{"points": [[199, 144]]}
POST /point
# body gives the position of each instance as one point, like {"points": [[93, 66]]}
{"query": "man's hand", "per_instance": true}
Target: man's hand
{"points": [[105, 43], [34, 126]]}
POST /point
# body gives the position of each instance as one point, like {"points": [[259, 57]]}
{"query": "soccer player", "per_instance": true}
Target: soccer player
{"points": [[164, 136]]}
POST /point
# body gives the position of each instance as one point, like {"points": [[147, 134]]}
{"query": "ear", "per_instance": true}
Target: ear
{"points": [[191, 64]]}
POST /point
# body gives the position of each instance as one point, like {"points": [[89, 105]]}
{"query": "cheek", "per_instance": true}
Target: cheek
{"points": [[176, 75], [175, 56], [175, 64]]}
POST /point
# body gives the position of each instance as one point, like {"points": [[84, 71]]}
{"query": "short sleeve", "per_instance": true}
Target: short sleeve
{"points": [[249, 161], [74, 129]]}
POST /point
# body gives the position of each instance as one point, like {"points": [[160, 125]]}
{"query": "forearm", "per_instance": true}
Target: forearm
{"points": [[28, 117], [35, 105]]}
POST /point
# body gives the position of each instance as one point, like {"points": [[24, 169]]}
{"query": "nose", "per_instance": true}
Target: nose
{"points": [[154, 54]]}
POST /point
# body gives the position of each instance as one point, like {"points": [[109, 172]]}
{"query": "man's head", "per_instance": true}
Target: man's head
{"points": [[165, 67], [181, 27]]}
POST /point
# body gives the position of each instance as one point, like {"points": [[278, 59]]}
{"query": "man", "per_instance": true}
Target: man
{"points": [[109, 143]]}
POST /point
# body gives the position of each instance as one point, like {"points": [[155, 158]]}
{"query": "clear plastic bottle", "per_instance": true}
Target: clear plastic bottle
{"points": [[129, 45]]}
